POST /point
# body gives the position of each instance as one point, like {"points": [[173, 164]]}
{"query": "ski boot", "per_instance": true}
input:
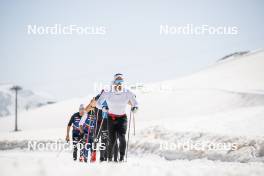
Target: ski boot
{"points": [[81, 159], [93, 156]]}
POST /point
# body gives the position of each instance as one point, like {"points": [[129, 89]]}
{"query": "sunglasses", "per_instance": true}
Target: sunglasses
{"points": [[118, 81]]}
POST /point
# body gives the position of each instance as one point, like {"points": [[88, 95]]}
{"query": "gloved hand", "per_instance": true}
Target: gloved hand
{"points": [[105, 109], [67, 138], [134, 109], [96, 139]]}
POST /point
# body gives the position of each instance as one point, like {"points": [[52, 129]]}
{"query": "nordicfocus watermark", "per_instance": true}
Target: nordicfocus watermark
{"points": [[99, 86], [59, 29], [187, 145], [198, 146], [60, 145], [190, 29]]}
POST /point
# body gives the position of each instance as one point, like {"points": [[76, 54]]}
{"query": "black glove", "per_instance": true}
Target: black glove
{"points": [[105, 108], [134, 109]]}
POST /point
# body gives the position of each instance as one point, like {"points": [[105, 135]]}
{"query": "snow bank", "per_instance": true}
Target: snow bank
{"points": [[173, 145]]}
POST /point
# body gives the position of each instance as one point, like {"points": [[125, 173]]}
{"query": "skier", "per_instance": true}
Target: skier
{"points": [[117, 99], [102, 126], [87, 124], [101, 131], [98, 118], [76, 135]]}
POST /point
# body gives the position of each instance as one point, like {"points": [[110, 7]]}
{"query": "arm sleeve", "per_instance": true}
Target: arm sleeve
{"points": [[132, 99], [71, 121], [101, 100]]}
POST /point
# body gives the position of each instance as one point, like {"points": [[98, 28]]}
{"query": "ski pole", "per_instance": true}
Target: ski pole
{"points": [[128, 134], [97, 113], [101, 124], [94, 141], [87, 139], [134, 123]]}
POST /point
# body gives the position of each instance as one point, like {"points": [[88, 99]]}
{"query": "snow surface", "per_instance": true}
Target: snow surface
{"points": [[35, 163], [221, 104]]}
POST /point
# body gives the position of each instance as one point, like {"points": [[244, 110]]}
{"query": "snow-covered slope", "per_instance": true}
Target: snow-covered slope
{"points": [[223, 99], [227, 97], [242, 73], [27, 100], [224, 102], [221, 104]]}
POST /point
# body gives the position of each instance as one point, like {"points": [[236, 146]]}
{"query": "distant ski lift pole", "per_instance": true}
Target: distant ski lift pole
{"points": [[16, 89]]}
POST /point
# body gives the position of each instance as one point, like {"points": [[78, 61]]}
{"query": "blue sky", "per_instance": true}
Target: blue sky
{"points": [[66, 66]]}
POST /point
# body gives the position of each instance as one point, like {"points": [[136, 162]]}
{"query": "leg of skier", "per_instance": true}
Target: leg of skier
{"points": [[104, 141], [116, 150], [75, 140], [103, 135], [94, 139], [121, 134], [90, 150], [86, 148], [80, 145], [112, 137]]}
